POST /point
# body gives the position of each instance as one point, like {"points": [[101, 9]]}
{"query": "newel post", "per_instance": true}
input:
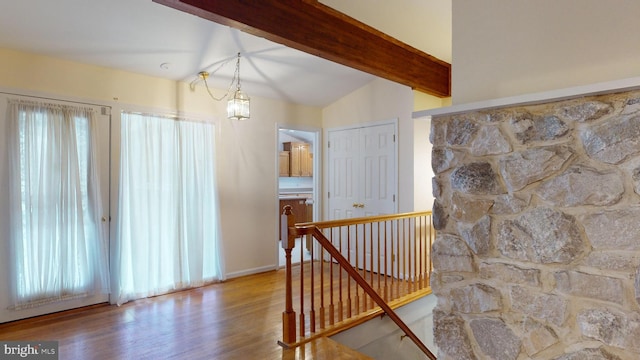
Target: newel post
{"points": [[288, 242]]}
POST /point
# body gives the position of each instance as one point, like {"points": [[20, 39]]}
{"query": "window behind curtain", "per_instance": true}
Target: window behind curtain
{"points": [[58, 248], [168, 212]]}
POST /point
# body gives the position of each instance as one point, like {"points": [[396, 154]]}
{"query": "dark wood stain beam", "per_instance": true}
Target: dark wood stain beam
{"points": [[317, 29]]}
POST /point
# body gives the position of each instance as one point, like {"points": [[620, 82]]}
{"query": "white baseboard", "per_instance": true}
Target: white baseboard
{"points": [[246, 272]]}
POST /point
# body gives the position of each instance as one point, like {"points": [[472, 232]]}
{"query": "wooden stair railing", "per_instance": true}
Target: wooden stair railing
{"points": [[397, 264]]}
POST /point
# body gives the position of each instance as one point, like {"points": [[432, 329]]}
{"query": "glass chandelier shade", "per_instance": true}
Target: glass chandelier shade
{"points": [[238, 107]]}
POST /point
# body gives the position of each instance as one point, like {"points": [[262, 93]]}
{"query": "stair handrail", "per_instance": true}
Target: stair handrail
{"points": [[297, 230]]}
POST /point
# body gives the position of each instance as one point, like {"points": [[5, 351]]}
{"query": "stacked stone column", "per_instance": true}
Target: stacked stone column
{"points": [[537, 214]]}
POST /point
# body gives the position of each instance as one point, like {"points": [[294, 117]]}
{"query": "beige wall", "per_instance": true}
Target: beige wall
{"points": [[246, 150], [504, 48], [422, 101]]}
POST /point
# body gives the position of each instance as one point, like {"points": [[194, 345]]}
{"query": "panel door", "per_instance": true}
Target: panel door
{"points": [[362, 182], [344, 173]]}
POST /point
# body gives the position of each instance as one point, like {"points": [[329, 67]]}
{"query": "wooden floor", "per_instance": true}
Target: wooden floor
{"points": [[238, 319]]}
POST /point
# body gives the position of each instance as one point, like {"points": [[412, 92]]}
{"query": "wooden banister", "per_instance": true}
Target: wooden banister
{"points": [[319, 236], [301, 228], [406, 252]]}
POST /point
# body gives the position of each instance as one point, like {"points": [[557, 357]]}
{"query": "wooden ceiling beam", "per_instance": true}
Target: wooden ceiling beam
{"points": [[317, 29]]}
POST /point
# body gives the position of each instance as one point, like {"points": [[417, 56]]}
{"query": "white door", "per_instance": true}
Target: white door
{"points": [[362, 182], [378, 179], [344, 174]]}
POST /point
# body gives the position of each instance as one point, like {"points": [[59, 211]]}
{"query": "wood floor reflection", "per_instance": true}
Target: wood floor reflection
{"points": [[237, 319]]}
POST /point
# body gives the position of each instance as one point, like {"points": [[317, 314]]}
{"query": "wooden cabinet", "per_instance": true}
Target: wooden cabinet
{"points": [[306, 162], [300, 158], [283, 163]]}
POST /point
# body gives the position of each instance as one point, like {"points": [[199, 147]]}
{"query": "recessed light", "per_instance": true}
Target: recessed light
{"points": [[165, 66]]}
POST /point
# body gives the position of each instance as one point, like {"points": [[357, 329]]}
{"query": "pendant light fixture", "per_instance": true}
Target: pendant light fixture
{"points": [[238, 106]]}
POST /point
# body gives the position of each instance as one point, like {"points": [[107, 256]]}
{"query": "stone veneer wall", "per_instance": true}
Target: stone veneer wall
{"points": [[538, 215]]}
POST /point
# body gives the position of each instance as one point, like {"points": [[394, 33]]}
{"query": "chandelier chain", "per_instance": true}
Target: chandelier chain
{"points": [[203, 75]]}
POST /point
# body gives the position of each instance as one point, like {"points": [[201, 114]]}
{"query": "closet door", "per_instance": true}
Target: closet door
{"points": [[344, 174], [362, 182], [378, 177]]}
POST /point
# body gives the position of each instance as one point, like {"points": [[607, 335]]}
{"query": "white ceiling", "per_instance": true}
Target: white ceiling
{"points": [[139, 36]]}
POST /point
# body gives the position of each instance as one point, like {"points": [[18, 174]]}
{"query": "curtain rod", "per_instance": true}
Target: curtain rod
{"points": [[175, 116], [53, 99], [169, 116]]}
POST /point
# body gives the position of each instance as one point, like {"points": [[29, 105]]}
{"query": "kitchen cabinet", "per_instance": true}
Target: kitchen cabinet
{"points": [[283, 163], [300, 158]]}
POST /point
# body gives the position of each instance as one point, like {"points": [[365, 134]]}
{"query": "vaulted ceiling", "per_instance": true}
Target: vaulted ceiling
{"points": [[308, 54], [321, 30]]}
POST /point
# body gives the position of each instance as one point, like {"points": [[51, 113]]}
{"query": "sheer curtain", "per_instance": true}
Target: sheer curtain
{"points": [[168, 211], [59, 250]]}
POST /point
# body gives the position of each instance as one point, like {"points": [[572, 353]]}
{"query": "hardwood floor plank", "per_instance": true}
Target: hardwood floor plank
{"points": [[327, 349], [238, 319]]}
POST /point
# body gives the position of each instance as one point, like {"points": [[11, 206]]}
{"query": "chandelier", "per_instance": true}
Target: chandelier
{"points": [[238, 106]]}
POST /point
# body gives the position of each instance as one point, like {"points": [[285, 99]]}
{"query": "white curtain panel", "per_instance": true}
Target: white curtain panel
{"points": [[58, 248], [168, 233]]}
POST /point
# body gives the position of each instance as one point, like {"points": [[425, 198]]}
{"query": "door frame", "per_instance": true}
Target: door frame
{"points": [[317, 178]]}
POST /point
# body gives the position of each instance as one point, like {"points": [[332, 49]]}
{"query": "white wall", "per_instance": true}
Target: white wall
{"points": [[504, 48], [382, 100], [381, 339], [422, 171], [246, 150]]}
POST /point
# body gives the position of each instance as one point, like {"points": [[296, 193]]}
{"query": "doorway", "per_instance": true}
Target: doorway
{"points": [[298, 152]]}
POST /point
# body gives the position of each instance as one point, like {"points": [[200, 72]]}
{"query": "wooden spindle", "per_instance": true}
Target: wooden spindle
{"points": [[301, 317], [288, 242], [405, 258], [379, 258], [331, 309], [416, 256], [312, 312], [386, 262], [398, 254], [349, 314], [371, 252], [322, 291], [340, 296], [421, 255]]}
